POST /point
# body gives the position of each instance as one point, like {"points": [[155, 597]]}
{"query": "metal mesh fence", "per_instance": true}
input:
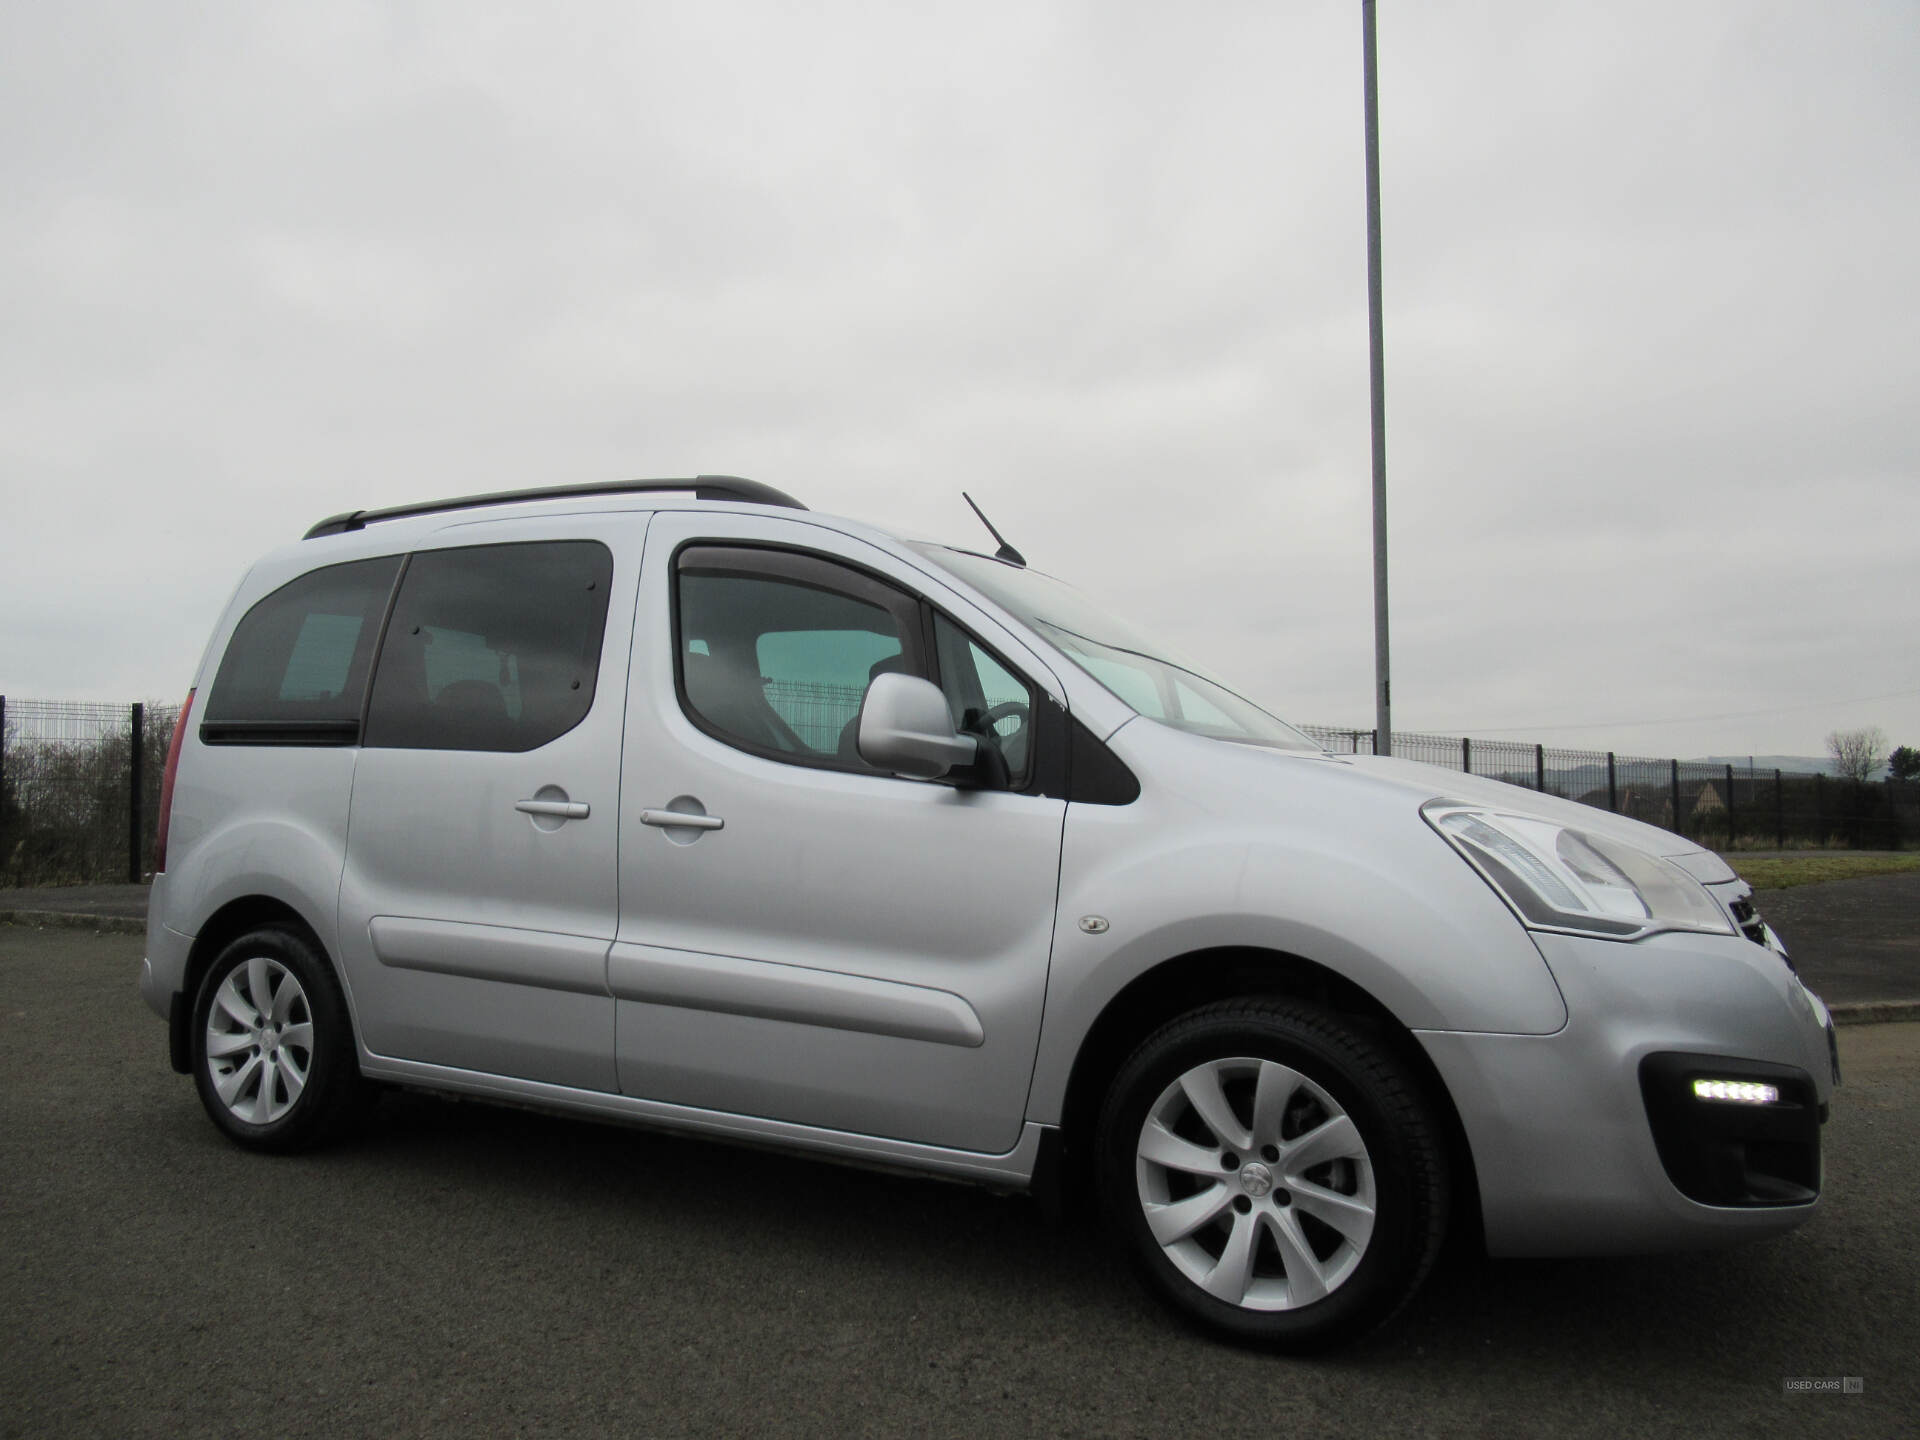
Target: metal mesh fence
{"points": [[1340, 742], [817, 713], [79, 801]]}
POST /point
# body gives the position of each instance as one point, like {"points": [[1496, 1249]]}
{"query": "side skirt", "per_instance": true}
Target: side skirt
{"points": [[1011, 1171]]}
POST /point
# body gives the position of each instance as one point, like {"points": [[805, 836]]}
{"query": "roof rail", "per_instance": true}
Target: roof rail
{"points": [[704, 487]]}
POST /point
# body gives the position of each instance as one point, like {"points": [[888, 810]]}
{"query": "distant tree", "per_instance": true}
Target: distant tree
{"points": [[1904, 763], [1858, 753]]}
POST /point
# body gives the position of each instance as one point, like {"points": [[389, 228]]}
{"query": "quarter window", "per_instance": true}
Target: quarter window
{"points": [[492, 647], [295, 671], [987, 699]]}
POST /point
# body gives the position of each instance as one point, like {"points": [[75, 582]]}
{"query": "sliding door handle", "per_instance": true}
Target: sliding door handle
{"points": [[680, 820]]}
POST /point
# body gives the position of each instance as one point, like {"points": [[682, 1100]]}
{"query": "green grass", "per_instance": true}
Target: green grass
{"points": [[1783, 872]]}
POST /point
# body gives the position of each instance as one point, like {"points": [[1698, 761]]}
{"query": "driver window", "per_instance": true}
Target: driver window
{"points": [[986, 697], [776, 650]]}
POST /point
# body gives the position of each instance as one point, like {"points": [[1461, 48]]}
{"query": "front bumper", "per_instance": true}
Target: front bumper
{"points": [[1563, 1146]]}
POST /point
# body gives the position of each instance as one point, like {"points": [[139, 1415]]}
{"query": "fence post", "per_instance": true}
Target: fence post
{"points": [[1819, 809], [1466, 755], [1673, 791], [1729, 807], [1613, 787], [1373, 745], [1540, 768], [1779, 815], [136, 756]]}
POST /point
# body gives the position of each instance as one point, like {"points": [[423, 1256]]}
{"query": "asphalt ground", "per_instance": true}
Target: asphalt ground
{"points": [[466, 1270], [1854, 940], [118, 902]]}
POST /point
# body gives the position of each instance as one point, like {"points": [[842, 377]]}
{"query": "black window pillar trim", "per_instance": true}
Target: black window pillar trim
{"points": [[380, 644]]}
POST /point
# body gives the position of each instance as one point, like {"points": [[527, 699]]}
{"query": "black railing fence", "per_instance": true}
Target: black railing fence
{"points": [[79, 789], [80, 786], [1726, 806]]}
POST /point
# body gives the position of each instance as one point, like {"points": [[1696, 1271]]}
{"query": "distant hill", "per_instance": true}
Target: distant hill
{"points": [[1591, 774], [1789, 764]]}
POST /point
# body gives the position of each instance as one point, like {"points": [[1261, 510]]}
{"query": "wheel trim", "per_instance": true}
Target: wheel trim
{"points": [[1251, 1179], [259, 1041]]}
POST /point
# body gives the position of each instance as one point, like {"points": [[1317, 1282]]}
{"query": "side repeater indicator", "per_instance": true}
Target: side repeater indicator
{"points": [[1094, 924]]}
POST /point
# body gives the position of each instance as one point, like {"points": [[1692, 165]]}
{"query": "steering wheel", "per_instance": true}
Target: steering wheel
{"points": [[1005, 710]]}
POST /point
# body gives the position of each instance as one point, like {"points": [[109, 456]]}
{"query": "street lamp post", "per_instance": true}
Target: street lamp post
{"points": [[1382, 686]]}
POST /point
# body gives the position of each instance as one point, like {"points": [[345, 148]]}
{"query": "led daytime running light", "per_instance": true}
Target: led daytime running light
{"points": [[1737, 1092]]}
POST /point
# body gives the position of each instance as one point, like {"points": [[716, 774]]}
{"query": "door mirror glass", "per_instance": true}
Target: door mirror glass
{"points": [[906, 728]]}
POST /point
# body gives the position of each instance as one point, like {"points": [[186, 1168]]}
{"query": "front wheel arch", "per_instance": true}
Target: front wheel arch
{"points": [[1273, 1173], [1181, 983]]}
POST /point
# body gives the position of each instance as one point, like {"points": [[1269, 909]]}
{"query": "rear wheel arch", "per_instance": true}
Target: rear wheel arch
{"points": [[271, 1049], [222, 928]]}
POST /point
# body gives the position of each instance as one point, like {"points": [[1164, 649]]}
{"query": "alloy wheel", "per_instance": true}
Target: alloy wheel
{"points": [[1256, 1184], [259, 1040]]}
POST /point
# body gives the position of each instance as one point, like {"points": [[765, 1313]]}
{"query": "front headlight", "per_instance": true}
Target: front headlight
{"points": [[1558, 878]]}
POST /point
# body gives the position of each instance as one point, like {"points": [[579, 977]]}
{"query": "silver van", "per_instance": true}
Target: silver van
{"points": [[672, 802]]}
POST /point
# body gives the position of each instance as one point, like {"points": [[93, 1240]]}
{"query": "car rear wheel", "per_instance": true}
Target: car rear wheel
{"points": [[273, 1054], [1273, 1173]]}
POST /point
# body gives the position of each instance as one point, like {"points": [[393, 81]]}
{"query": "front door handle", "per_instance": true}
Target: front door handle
{"points": [[559, 809], [680, 820]]}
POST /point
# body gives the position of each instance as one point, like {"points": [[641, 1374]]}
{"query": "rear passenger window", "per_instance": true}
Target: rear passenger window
{"points": [[492, 647], [295, 671]]}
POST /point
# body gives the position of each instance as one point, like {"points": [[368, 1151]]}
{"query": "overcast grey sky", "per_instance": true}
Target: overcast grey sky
{"points": [[1651, 296]]}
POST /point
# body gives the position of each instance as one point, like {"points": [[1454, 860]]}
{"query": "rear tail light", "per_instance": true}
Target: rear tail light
{"points": [[166, 785]]}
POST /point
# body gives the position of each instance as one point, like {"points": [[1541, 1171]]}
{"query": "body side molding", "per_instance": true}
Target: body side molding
{"points": [[796, 993]]}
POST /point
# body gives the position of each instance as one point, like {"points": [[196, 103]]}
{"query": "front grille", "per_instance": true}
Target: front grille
{"points": [[1755, 929]]}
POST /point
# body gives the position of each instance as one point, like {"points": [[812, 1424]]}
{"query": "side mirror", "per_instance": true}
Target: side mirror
{"points": [[906, 729]]}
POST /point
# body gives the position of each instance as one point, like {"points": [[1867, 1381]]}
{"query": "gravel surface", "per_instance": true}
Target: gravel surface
{"points": [[463, 1270], [127, 902]]}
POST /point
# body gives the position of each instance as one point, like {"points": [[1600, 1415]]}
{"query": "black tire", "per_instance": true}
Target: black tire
{"points": [[1341, 1283], [302, 1060]]}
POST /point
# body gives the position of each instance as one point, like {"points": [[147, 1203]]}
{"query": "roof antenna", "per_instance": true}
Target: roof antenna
{"points": [[1006, 552]]}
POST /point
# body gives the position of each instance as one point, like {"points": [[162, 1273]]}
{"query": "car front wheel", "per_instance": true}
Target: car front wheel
{"points": [[1274, 1173]]}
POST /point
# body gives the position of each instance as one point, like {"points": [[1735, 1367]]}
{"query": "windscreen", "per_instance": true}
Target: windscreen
{"points": [[1136, 671]]}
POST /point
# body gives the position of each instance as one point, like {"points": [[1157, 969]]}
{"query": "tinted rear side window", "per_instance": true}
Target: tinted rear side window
{"points": [[295, 671], [492, 647]]}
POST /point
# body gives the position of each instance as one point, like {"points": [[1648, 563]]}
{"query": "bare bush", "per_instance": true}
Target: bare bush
{"points": [[1858, 753]]}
